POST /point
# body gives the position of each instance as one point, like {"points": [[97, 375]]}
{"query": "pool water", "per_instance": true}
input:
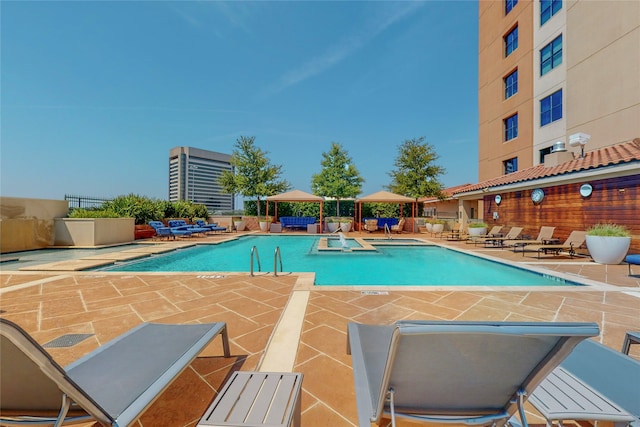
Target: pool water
{"points": [[388, 265]]}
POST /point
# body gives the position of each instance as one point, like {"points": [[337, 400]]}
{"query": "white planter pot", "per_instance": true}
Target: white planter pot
{"points": [[437, 228], [429, 227], [240, 225], [345, 227], [608, 250], [332, 226], [477, 231], [264, 225]]}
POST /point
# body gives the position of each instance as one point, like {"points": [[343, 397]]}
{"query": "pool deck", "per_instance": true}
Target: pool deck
{"points": [[284, 323]]}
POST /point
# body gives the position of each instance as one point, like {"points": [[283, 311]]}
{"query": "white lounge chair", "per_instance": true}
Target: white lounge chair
{"points": [[112, 385], [475, 373]]}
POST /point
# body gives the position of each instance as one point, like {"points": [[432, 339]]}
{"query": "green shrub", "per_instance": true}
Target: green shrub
{"points": [[610, 230], [478, 225], [93, 213]]}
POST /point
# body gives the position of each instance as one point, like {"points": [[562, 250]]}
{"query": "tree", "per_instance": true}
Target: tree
{"points": [[416, 173], [253, 174], [338, 178]]}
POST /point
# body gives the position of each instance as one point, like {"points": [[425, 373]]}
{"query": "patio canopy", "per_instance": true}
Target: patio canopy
{"points": [[294, 196], [385, 197]]}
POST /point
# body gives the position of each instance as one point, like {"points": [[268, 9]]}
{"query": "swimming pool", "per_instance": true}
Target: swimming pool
{"points": [[390, 265]]}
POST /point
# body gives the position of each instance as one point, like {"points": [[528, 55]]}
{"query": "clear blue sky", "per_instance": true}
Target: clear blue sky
{"points": [[94, 94]]}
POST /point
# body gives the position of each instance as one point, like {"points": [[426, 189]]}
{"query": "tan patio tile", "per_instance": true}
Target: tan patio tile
{"points": [[305, 353], [327, 302], [457, 300], [83, 317], [328, 341], [246, 308], [320, 415], [189, 392], [325, 317], [385, 314], [331, 382]]}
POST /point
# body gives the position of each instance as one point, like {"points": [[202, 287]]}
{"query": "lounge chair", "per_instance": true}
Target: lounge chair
{"points": [[112, 385], [545, 233], [371, 225], [594, 383], [632, 259], [494, 232], [212, 227], [181, 224], [168, 232], [573, 242], [512, 234], [454, 233], [398, 227], [476, 373]]}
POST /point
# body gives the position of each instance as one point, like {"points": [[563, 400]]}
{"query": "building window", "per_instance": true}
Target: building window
{"points": [[511, 41], [511, 127], [544, 152], [511, 84], [508, 5], [510, 165], [548, 8], [551, 108], [551, 55]]}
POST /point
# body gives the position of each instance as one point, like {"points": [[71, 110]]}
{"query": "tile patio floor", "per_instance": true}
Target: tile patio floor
{"points": [[49, 304]]}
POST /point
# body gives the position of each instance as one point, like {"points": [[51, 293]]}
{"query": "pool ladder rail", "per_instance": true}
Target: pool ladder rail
{"points": [[277, 256]]}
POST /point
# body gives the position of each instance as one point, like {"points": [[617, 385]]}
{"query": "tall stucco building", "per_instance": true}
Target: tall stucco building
{"points": [[194, 174], [550, 69]]}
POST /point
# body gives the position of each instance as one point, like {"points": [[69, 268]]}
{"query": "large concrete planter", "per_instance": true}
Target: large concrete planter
{"points": [[93, 231], [345, 227], [437, 228], [240, 225], [477, 231], [607, 249]]}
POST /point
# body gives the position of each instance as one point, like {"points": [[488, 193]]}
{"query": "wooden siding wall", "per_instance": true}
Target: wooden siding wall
{"points": [[615, 200]]}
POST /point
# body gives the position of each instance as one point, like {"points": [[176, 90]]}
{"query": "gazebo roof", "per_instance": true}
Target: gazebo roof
{"points": [[295, 196], [385, 197]]}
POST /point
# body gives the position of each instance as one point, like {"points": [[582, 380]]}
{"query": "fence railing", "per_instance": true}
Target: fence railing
{"points": [[85, 202]]}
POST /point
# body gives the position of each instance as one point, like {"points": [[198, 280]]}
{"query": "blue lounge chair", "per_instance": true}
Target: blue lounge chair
{"points": [[212, 227], [476, 373], [112, 385], [168, 232], [181, 225]]}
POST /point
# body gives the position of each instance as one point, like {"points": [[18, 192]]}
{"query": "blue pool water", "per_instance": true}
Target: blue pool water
{"points": [[388, 265]]}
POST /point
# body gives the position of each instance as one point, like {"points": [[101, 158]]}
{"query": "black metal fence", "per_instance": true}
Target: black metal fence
{"points": [[85, 202]]}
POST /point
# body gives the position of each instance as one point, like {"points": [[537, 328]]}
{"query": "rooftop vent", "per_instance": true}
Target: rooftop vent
{"points": [[558, 147]]}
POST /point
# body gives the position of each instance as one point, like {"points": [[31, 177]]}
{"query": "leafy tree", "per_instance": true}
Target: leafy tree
{"points": [[338, 178], [416, 173], [253, 175]]}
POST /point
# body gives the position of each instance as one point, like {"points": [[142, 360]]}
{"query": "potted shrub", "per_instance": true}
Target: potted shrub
{"points": [[608, 243], [333, 224], [345, 225], [429, 225], [438, 226], [264, 223], [477, 229]]}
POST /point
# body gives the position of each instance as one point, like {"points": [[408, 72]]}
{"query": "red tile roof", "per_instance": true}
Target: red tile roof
{"points": [[626, 152], [448, 192]]}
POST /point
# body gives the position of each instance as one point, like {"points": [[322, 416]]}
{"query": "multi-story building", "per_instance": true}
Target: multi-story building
{"points": [[194, 175], [549, 69]]}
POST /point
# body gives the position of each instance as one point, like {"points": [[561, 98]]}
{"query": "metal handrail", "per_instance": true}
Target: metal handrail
{"points": [[387, 231], [277, 255], [254, 250]]}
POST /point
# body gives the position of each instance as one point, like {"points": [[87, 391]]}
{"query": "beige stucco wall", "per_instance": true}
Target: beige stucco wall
{"points": [[27, 224], [493, 67], [603, 70], [93, 231]]}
